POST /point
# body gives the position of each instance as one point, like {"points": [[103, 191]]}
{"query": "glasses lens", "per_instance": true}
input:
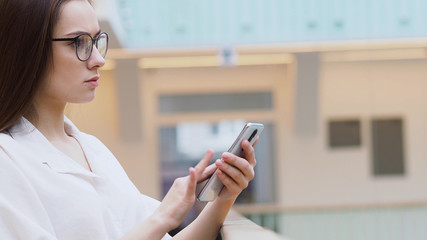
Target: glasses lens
{"points": [[102, 44], [84, 47]]}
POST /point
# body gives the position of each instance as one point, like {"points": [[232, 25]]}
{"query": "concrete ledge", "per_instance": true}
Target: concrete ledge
{"points": [[238, 227]]}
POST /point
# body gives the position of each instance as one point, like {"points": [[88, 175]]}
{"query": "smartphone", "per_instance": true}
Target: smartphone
{"points": [[209, 189]]}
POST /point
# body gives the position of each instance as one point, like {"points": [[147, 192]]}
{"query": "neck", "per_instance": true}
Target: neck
{"points": [[49, 120]]}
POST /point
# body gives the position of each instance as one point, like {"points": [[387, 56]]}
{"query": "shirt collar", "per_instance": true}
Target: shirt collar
{"points": [[33, 140], [25, 127]]}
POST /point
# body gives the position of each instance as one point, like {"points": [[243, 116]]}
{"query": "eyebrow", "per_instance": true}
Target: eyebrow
{"points": [[81, 32]]}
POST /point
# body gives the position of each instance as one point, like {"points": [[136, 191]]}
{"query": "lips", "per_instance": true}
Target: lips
{"points": [[93, 81], [95, 78]]}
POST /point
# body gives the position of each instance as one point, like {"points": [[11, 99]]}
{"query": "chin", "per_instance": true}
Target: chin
{"points": [[87, 99]]}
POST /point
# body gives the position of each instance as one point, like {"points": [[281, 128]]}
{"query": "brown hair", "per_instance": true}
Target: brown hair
{"points": [[26, 28]]}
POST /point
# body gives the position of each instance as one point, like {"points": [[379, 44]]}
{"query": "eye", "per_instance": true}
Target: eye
{"points": [[80, 41]]}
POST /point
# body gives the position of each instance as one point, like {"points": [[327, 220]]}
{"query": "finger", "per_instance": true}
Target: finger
{"points": [[191, 187], [256, 141], [228, 182], [249, 152], [207, 172], [200, 167], [240, 178], [240, 163]]}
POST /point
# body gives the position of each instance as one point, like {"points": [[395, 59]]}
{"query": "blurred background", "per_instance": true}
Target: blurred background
{"points": [[341, 87]]}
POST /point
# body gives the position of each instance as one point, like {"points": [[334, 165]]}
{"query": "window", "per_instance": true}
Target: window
{"points": [[344, 133], [387, 147]]}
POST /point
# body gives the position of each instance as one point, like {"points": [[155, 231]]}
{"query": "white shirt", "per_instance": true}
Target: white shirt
{"points": [[44, 194]]}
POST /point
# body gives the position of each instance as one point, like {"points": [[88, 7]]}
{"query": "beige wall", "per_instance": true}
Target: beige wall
{"points": [[318, 176]]}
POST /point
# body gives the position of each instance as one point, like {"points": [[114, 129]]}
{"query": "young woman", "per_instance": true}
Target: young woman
{"points": [[59, 183]]}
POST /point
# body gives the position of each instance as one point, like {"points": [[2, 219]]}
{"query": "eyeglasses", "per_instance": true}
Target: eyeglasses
{"points": [[84, 44]]}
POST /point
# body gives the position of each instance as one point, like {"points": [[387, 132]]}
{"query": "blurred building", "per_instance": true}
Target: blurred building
{"points": [[340, 85]]}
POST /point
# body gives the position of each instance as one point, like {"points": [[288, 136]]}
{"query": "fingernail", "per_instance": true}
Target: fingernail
{"points": [[226, 155], [218, 162]]}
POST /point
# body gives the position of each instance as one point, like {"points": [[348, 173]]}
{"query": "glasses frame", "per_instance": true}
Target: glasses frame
{"points": [[94, 42]]}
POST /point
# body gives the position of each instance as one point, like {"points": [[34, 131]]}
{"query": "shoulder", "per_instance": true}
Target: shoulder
{"points": [[20, 215], [6, 143], [8, 153], [5, 137]]}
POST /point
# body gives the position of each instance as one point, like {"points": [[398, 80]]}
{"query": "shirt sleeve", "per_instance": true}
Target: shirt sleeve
{"points": [[22, 215]]}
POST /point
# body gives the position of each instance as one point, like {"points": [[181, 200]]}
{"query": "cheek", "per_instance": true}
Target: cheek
{"points": [[65, 66], [54, 85], [62, 78]]}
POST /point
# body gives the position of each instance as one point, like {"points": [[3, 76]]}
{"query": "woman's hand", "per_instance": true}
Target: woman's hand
{"points": [[236, 172], [181, 196]]}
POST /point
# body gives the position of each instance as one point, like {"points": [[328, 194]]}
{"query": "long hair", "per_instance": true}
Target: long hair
{"points": [[26, 28]]}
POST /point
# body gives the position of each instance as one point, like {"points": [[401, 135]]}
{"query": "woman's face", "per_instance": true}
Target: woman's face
{"points": [[68, 79]]}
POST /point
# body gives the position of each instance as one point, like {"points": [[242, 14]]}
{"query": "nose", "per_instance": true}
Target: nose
{"points": [[96, 60]]}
